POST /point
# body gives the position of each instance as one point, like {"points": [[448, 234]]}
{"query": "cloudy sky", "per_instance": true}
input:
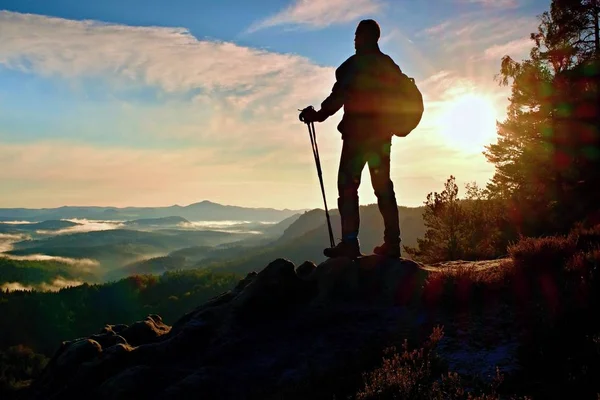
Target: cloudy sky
{"points": [[156, 102]]}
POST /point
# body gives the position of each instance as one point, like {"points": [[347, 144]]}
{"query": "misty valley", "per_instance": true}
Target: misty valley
{"points": [[67, 253], [51, 254]]}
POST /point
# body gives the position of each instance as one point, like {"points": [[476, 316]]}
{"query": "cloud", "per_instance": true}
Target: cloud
{"points": [[109, 168], [320, 13], [90, 175], [494, 3], [479, 28], [231, 109], [442, 88], [439, 76], [436, 29], [113, 167], [225, 96], [169, 58], [475, 42], [517, 46]]}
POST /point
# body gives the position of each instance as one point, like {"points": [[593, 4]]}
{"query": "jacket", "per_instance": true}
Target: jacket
{"points": [[361, 83]]}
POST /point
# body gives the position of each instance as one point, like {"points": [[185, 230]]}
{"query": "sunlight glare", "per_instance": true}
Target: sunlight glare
{"points": [[468, 122]]}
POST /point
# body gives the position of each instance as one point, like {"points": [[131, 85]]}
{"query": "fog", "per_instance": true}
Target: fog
{"points": [[54, 286], [7, 240], [85, 263], [85, 225], [227, 226]]}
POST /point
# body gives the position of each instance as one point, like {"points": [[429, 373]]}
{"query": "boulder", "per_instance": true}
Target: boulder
{"points": [[275, 290], [372, 280], [305, 269], [149, 330], [77, 352]]}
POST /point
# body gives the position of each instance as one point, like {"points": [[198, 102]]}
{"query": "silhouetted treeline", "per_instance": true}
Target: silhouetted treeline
{"points": [[42, 320]]}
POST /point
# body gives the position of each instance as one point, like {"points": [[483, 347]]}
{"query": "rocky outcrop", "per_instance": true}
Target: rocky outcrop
{"points": [[276, 329]]}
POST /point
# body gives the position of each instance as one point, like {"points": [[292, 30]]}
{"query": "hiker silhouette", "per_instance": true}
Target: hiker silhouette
{"points": [[367, 139]]}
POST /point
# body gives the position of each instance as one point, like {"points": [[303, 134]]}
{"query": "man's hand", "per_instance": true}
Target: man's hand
{"points": [[309, 114]]}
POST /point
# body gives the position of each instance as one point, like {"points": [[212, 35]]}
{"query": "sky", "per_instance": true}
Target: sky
{"points": [[156, 102]]}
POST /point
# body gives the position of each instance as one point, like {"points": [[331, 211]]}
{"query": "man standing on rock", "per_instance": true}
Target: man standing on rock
{"points": [[367, 139]]}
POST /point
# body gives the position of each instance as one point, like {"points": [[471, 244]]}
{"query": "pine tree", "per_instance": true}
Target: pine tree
{"points": [[547, 153], [443, 216]]}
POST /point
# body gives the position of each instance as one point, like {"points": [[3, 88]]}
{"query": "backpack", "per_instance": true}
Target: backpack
{"points": [[411, 106], [402, 106]]}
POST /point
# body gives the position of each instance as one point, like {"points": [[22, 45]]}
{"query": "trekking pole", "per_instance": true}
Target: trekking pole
{"points": [[313, 141]]}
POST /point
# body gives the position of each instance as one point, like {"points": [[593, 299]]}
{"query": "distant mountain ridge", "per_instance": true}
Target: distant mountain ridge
{"points": [[202, 211]]}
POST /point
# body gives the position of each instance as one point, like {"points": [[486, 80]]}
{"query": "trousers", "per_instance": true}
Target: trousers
{"points": [[355, 154]]}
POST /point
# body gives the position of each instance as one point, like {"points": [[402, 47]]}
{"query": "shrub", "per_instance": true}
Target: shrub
{"points": [[586, 238], [547, 253], [584, 262], [18, 366], [405, 375]]}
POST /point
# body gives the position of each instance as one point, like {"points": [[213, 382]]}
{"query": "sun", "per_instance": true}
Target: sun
{"points": [[468, 122]]}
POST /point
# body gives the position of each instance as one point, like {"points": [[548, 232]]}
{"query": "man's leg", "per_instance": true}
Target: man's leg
{"points": [[378, 158], [352, 162]]}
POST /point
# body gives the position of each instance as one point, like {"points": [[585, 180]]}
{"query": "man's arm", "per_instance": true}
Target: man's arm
{"points": [[333, 102], [336, 99]]}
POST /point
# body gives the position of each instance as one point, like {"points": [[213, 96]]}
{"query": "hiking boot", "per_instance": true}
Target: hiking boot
{"points": [[350, 249], [388, 250]]}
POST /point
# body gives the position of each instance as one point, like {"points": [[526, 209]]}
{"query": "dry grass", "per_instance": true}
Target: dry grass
{"points": [[491, 273], [468, 285]]}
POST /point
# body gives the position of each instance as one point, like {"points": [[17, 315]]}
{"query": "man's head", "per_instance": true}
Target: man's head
{"points": [[367, 34]]}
